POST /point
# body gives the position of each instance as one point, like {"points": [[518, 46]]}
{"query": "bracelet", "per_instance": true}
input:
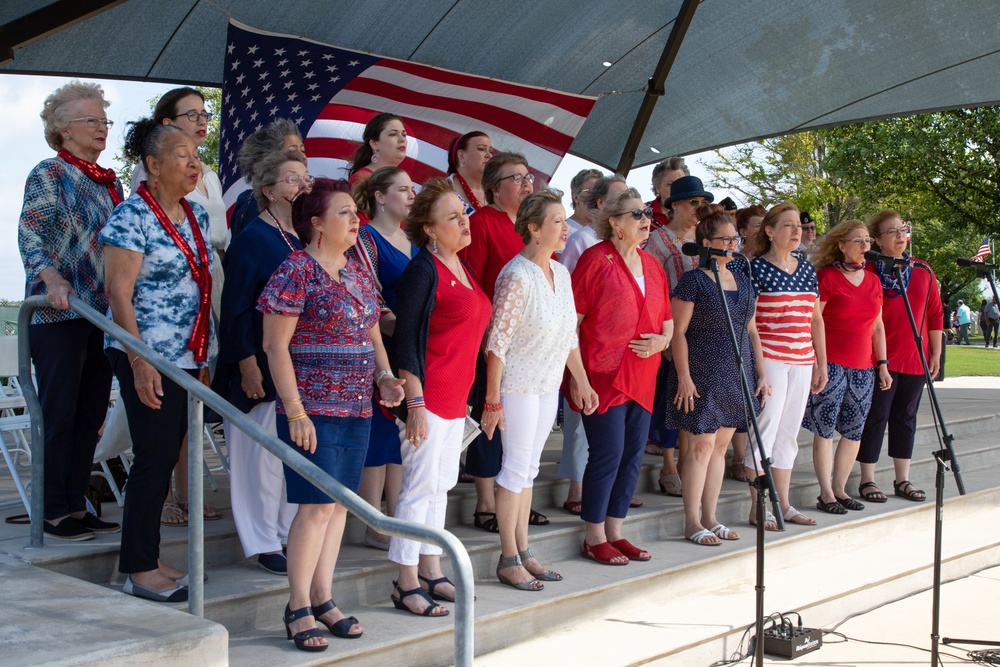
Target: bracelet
{"points": [[298, 416], [132, 365], [492, 407], [882, 362], [415, 402], [292, 401], [382, 374]]}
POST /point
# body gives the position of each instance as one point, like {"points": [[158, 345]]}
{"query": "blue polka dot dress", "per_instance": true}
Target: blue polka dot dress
{"points": [[710, 353]]}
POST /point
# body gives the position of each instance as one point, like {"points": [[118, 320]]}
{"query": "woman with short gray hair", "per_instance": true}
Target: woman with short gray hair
{"points": [[67, 200], [280, 136]]}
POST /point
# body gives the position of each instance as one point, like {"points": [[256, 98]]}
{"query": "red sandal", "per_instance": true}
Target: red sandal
{"points": [[631, 551], [603, 553]]}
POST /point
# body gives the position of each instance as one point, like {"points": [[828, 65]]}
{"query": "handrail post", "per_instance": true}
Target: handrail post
{"points": [[196, 514], [34, 408]]}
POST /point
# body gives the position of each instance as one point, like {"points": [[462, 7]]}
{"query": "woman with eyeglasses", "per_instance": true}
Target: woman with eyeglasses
{"points": [[851, 301], [467, 158], [257, 485], [507, 182], [897, 406], [793, 341], [67, 199], [623, 309], [704, 385], [185, 108]]}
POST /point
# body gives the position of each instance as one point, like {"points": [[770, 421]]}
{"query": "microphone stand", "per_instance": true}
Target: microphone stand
{"points": [[943, 457], [763, 483]]}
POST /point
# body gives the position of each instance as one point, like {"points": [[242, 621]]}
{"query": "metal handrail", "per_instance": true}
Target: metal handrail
{"points": [[290, 456]]}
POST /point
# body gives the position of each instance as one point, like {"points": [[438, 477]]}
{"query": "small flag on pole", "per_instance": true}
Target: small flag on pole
{"points": [[984, 251]]}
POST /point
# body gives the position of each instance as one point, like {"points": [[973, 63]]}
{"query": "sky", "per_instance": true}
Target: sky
{"points": [[24, 146]]}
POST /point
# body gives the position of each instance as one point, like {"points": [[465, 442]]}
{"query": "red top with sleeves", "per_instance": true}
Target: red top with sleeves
{"points": [[454, 337], [660, 218], [849, 316], [615, 312], [494, 243], [927, 312]]}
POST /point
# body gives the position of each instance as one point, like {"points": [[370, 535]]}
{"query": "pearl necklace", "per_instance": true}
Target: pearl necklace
{"points": [[281, 230]]}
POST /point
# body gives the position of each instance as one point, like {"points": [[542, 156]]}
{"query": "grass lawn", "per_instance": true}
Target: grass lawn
{"points": [[971, 359]]}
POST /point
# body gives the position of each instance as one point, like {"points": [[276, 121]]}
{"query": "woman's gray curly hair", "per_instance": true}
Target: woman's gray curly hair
{"points": [[56, 113]]}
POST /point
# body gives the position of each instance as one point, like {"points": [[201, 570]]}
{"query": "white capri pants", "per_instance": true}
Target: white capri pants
{"points": [[257, 487], [575, 450], [527, 422], [781, 417], [430, 470]]}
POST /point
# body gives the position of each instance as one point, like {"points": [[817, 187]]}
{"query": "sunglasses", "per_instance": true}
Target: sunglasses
{"points": [[640, 213]]}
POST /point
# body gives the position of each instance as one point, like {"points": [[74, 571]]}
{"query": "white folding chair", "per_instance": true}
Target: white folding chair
{"points": [[15, 423]]}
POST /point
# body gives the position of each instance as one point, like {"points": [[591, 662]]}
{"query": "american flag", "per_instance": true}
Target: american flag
{"points": [[984, 251], [331, 93]]}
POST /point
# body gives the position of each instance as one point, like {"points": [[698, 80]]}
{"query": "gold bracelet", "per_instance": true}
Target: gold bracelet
{"points": [[292, 400], [298, 416]]}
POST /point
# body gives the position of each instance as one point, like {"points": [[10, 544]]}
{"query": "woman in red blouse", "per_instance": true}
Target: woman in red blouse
{"points": [[324, 351], [441, 317], [467, 159], [623, 305], [897, 407]]}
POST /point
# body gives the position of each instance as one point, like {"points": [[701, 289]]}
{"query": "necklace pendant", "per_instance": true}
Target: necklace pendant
{"points": [[452, 283]]}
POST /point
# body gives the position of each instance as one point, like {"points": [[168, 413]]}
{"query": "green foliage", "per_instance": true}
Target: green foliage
{"points": [[209, 151]]}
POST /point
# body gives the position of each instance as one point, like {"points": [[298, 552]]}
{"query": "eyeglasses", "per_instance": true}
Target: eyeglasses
{"points": [[304, 181], [728, 240], [863, 240], [697, 202], [898, 231], [193, 116], [809, 228], [94, 123], [520, 178], [640, 213]]}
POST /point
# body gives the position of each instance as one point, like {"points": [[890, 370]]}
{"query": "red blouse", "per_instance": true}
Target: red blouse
{"points": [[927, 312], [615, 311], [457, 325], [494, 243], [849, 316]]}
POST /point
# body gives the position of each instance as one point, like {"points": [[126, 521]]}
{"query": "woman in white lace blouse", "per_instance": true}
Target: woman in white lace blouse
{"points": [[532, 339]]}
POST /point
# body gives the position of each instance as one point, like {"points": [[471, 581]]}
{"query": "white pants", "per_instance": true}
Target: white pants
{"points": [[257, 487], [575, 450], [781, 417], [527, 422], [430, 470]]}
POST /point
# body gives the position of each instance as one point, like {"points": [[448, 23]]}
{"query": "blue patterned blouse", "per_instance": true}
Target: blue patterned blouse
{"points": [[62, 215], [331, 348], [165, 297]]}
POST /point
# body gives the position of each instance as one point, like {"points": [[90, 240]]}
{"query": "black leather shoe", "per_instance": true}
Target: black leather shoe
{"points": [[70, 530], [97, 525]]}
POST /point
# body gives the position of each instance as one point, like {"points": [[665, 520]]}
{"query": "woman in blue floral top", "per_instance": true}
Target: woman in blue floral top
{"points": [[67, 199], [325, 353], [159, 284]]}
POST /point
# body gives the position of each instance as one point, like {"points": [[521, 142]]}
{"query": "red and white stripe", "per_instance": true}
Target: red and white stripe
{"points": [[784, 323]]}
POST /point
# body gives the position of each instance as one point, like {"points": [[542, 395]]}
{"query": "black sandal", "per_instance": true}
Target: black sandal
{"points": [[830, 508], [341, 628], [302, 637], [875, 496], [851, 504], [432, 584], [400, 605], [905, 490], [488, 523], [536, 519]]}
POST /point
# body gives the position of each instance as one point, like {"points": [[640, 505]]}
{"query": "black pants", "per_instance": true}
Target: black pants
{"points": [[897, 408], [74, 382], [156, 443]]}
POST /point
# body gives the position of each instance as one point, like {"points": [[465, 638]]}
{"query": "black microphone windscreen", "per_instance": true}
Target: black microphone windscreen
{"points": [[690, 249], [872, 256], [964, 261]]}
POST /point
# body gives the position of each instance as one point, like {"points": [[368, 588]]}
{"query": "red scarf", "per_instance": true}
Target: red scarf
{"points": [[473, 201], [97, 174], [199, 269]]}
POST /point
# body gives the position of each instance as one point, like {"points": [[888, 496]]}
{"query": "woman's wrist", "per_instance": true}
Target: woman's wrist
{"points": [[415, 403], [492, 407], [382, 375]]}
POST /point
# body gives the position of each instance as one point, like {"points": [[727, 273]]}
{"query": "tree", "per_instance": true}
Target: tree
{"points": [[787, 168], [209, 151]]}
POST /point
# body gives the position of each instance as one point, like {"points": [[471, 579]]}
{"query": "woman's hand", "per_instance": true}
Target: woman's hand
{"points": [[58, 294], [763, 389], [390, 391], [252, 380], [205, 376], [148, 384], [490, 421], [416, 426], [819, 378], [303, 434], [686, 393], [884, 377], [585, 397], [648, 344]]}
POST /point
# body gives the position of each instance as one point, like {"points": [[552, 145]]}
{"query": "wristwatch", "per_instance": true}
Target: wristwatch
{"points": [[880, 362]]}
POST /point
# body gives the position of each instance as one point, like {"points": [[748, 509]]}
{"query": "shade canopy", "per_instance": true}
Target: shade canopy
{"points": [[743, 70]]}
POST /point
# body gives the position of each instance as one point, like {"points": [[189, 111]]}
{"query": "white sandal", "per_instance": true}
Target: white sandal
{"points": [[724, 533], [701, 535], [791, 514]]}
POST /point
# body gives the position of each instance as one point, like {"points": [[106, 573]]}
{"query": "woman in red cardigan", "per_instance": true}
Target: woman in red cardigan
{"points": [[897, 406], [623, 304]]}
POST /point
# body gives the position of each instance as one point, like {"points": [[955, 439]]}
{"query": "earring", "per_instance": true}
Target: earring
{"points": [[374, 158], [461, 165], [538, 241], [381, 208], [156, 183], [271, 197], [434, 245], [620, 234], [319, 241]]}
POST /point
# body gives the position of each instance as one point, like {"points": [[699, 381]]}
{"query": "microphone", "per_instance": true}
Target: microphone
{"points": [[981, 266], [873, 256], [692, 249]]}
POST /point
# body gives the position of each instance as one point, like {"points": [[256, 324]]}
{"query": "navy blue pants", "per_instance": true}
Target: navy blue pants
{"points": [[617, 441], [658, 432], [897, 408]]}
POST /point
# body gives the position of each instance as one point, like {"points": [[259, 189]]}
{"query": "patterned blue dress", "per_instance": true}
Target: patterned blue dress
{"points": [[710, 353]]}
